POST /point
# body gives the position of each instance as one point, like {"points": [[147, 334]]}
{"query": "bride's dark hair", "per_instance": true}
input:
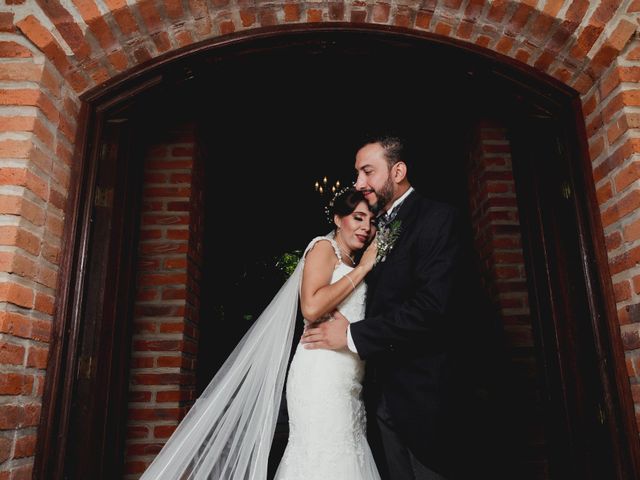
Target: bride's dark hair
{"points": [[344, 203]]}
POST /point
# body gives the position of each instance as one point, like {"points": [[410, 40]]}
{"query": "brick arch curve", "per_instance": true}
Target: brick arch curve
{"points": [[92, 41], [55, 51]]}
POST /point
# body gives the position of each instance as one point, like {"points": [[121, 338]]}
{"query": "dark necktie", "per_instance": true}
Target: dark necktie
{"points": [[386, 218]]}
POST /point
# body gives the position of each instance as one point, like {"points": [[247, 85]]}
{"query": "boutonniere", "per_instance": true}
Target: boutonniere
{"points": [[386, 238]]}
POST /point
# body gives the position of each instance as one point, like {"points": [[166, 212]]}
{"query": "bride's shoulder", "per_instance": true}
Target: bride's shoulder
{"points": [[324, 244]]}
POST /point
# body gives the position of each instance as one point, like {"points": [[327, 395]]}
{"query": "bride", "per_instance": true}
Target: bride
{"points": [[227, 434]]}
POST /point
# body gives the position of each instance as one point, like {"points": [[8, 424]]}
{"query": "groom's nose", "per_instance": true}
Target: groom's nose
{"points": [[359, 183]]}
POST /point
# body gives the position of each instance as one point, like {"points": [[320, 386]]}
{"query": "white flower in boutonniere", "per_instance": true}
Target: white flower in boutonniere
{"points": [[386, 238]]}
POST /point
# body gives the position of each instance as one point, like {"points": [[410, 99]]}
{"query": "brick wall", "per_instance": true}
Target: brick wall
{"points": [[51, 51], [498, 244], [37, 127], [613, 124], [162, 380]]}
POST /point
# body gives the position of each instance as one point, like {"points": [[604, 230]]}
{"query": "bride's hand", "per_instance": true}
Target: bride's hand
{"points": [[368, 259]]}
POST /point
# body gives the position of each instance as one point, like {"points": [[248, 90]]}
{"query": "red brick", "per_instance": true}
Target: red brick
{"points": [[173, 395], [17, 416], [37, 357], [609, 83], [175, 263], [10, 49], [605, 11], [423, 19], [633, 53], [165, 361], [227, 27], [616, 159], [624, 206], [545, 60], [42, 38], [627, 176], [604, 193], [184, 38], [622, 291], [613, 241], [118, 60], [498, 10], [381, 12], [443, 29], [616, 129], [6, 445], [67, 27], [625, 261], [632, 231], [44, 303], [123, 16], [17, 294], [175, 234], [621, 35], [25, 446], [562, 74], [552, 7], [137, 431], [465, 29], [630, 337], [141, 54], [519, 19], [291, 12], [522, 55], [403, 17], [267, 16], [11, 354], [101, 30], [582, 83], [139, 397], [586, 40], [248, 17], [175, 327], [164, 431], [6, 22]]}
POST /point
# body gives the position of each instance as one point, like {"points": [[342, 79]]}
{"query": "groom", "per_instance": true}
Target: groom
{"points": [[404, 336]]}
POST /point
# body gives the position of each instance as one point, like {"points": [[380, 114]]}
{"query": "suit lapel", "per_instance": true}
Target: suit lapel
{"points": [[406, 214]]}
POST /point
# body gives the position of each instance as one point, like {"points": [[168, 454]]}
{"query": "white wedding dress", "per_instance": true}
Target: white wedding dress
{"points": [[327, 422], [227, 433]]}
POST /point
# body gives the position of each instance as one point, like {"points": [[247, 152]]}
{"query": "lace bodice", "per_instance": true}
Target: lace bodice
{"points": [[353, 306]]}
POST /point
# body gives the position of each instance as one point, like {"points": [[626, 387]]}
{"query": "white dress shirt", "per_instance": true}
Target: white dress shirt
{"points": [[350, 343]]}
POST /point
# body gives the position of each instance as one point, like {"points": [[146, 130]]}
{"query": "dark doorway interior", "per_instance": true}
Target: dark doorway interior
{"points": [[272, 123]]}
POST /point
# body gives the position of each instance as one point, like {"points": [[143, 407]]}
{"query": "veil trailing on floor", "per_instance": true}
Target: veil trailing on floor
{"points": [[227, 434]]}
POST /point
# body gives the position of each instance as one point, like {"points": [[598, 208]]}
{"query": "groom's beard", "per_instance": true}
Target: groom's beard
{"points": [[383, 196]]}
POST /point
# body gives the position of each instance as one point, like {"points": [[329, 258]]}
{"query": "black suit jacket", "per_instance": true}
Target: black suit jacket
{"points": [[405, 334]]}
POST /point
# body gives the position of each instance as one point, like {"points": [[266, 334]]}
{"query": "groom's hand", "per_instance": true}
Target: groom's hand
{"points": [[331, 335]]}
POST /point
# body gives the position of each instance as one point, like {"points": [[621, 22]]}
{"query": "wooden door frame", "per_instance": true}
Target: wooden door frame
{"points": [[59, 386], [545, 186]]}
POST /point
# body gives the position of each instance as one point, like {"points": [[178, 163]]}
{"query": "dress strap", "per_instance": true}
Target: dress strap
{"points": [[328, 237]]}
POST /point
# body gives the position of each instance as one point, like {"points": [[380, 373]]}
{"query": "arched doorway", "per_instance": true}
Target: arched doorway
{"points": [[383, 68]]}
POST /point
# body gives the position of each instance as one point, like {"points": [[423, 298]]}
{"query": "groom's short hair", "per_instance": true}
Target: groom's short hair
{"points": [[395, 148]]}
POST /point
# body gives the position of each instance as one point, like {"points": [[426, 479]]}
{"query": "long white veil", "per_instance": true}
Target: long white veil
{"points": [[227, 434]]}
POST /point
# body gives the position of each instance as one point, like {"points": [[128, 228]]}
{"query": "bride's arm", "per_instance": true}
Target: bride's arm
{"points": [[318, 296]]}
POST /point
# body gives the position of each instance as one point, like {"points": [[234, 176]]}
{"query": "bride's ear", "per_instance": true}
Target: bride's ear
{"points": [[337, 221]]}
